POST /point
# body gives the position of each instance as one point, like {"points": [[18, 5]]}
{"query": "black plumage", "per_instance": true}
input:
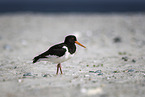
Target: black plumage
{"points": [[58, 49], [54, 50]]}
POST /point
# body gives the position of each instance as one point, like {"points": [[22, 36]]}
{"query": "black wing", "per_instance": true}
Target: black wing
{"points": [[57, 50]]}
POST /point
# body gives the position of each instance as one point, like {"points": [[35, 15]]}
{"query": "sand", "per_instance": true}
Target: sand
{"points": [[112, 65]]}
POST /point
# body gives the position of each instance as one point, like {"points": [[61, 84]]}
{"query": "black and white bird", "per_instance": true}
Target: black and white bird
{"points": [[60, 52]]}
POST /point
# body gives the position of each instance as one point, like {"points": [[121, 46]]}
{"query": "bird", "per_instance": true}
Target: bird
{"points": [[59, 53]]}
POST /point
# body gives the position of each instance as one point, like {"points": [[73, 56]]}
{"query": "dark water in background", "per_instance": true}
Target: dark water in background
{"points": [[72, 6]]}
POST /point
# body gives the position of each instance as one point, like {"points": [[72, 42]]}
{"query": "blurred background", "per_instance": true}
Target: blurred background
{"points": [[72, 6], [112, 30]]}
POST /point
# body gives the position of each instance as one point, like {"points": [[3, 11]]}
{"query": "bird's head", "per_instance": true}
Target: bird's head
{"points": [[71, 39]]}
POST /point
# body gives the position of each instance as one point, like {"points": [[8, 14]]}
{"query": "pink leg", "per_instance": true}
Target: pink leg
{"points": [[60, 69], [58, 66]]}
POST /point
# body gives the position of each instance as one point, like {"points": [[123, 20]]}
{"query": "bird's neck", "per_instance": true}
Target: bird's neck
{"points": [[71, 48]]}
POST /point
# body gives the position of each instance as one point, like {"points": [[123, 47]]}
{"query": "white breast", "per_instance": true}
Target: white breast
{"points": [[67, 54]]}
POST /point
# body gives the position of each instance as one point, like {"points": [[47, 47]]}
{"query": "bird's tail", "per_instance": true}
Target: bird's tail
{"points": [[36, 59]]}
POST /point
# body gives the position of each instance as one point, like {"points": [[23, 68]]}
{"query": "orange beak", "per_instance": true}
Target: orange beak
{"points": [[79, 44]]}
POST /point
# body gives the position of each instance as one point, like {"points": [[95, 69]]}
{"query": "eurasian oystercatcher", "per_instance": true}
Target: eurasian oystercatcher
{"points": [[59, 52]]}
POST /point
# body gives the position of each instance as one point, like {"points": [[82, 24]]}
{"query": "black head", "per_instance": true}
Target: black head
{"points": [[70, 39]]}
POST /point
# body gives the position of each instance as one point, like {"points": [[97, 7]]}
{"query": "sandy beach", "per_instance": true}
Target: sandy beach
{"points": [[112, 65]]}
